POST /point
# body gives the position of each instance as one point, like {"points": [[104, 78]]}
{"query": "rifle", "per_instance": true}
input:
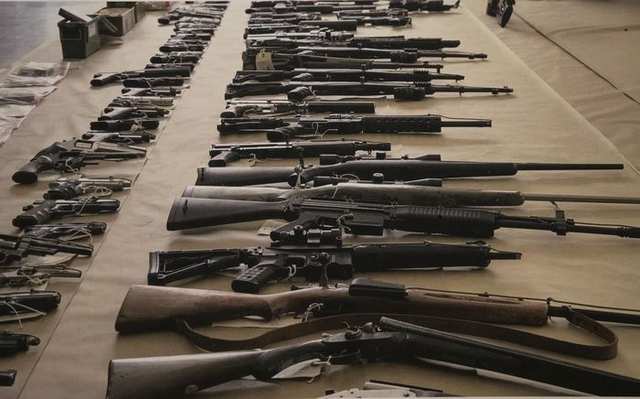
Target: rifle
{"points": [[222, 154], [371, 219], [15, 248], [424, 5], [28, 304], [282, 18], [141, 101], [176, 57], [43, 211], [394, 19], [66, 231], [102, 79], [298, 91], [119, 113], [170, 47], [204, 37], [420, 192], [343, 75], [131, 137], [118, 125], [194, 26], [154, 82], [302, 26], [393, 55], [282, 61], [378, 12], [240, 108], [70, 155], [66, 188], [156, 92], [390, 340], [314, 264], [383, 42], [383, 389], [307, 127], [393, 169], [12, 343], [8, 377]]}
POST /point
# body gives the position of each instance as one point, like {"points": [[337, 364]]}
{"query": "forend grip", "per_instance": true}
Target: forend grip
{"points": [[243, 176], [401, 124], [254, 278], [450, 221], [28, 174], [39, 213]]}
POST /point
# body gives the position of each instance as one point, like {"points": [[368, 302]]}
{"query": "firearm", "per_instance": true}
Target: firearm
{"points": [[389, 340], [389, 20], [308, 127], [154, 82], [282, 18], [501, 9], [167, 92], [394, 169], [131, 137], [141, 101], [424, 5], [15, 248], [194, 26], [8, 377], [301, 26], [102, 79], [43, 211], [119, 113], [393, 55], [420, 192], [343, 75], [282, 61], [177, 14], [204, 37], [222, 154], [176, 57], [323, 8], [69, 188], [378, 12], [383, 42], [316, 264], [371, 219], [12, 343], [70, 155], [28, 304], [66, 231], [383, 389], [118, 125], [173, 46], [240, 108]]}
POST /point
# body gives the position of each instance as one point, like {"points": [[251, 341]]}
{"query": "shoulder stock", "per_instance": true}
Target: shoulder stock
{"points": [[243, 176]]}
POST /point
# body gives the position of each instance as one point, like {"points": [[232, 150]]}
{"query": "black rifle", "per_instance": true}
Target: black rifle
{"points": [[390, 20], [194, 26], [424, 5], [324, 8], [12, 343], [131, 137], [240, 108], [66, 189], [391, 42], [8, 377], [372, 219], [27, 304], [176, 57], [344, 75], [378, 388], [378, 12], [403, 91], [223, 154], [205, 37], [302, 26], [168, 92], [15, 248], [66, 231], [388, 340], [282, 61], [308, 127], [119, 113], [118, 125], [189, 65], [173, 46], [362, 53], [101, 79], [141, 101], [316, 264], [43, 211], [282, 18], [70, 155], [213, 16], [154, 82], [393, 169]]}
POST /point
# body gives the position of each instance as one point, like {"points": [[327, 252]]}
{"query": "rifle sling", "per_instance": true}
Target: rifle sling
{"points": [[473, 328]]}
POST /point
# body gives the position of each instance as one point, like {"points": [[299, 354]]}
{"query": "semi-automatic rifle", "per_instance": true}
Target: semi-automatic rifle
{"points": [[119, 125], [241, 108], [386, 340], [136, 112], [362, 53], [316, 264], [343, 75], [41, 212], [393, 169], [102, 79], [141, 101], [70, 155], [15, 248], [297, 39], [372, 219], [302, 26], [173, 46], [176, 57], [298, 91], [305, 127], [223, 154], [68, 188]]}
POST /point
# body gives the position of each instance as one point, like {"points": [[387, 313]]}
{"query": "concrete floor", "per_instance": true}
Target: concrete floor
{"points": [[25, 25]]}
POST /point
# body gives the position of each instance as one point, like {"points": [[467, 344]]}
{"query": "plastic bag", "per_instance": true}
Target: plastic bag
{"points": [[24, 95], [36, 74]]}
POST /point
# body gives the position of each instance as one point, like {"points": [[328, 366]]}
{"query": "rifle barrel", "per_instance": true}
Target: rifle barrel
{"points": [[466, 123], [568, 166], [601, 199]]}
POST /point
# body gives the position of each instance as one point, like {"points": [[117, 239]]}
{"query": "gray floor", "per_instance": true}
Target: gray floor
{"points": [[25, 25]]}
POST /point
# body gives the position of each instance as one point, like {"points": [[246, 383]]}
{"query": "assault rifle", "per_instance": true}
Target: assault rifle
{"points": [[43, 211], [222, 154], [28, 304], [214, 15], [176, 57], [362, 53], [12, 343], [282, 18], [371, 219], [420, 192], [141, 101], [174, 46], [384, 389], [316, 264], [66, 188], [383, 42], [390, 340], [302, 26], [15, 248], [155, 82], [167, 93], [393, 19], [281, 61], [393, 169], [66, 231], [240, 108], [118, 125], [308, 127], [70, 155], [102, 79], [131, 137], [344, 75], [119, 113], [205, 37], [298, 91]]}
